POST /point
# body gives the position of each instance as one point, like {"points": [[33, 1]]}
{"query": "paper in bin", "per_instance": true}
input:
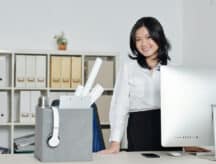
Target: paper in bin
{"points": [[74, 102]]}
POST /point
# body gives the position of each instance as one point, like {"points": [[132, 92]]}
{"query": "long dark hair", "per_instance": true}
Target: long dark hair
{"points": [[157, 34]]}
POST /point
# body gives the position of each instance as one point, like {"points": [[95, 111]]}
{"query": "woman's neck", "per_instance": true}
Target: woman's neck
{"points": [[152, 61]]}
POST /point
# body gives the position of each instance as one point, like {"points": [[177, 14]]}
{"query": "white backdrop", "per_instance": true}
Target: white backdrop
{"points": [[199, 32], [93, 25]]}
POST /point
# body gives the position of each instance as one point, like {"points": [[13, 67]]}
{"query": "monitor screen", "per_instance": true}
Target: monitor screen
{"points": [[187, 94]]}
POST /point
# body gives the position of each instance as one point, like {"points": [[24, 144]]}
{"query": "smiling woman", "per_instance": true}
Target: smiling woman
{"points": [[137, 91], [148, 41]]}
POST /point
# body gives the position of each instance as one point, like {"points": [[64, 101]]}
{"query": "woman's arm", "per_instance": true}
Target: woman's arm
{"points": [[118, 110]]}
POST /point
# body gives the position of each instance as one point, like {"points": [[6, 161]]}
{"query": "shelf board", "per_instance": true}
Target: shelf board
{"points": [[33, 89], [105, 123], [6, 124], [5, 51], [23, 124], [108, 89], [5, 88], [62, 89], [83, 53], [30, 52]]}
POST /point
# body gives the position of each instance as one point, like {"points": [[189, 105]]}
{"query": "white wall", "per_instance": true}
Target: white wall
{"points": [[199, 32], [93, 25]]}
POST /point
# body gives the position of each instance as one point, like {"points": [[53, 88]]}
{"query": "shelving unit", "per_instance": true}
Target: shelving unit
{"points": [[13, 127]]}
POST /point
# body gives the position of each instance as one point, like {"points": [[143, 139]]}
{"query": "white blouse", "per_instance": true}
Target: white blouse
{"points": [[136, 89]]}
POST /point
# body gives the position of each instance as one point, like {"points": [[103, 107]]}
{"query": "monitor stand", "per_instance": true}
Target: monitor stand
{"points": [[211, 155]]}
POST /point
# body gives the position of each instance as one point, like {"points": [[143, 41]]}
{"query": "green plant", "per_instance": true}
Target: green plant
{"points": [[60, 39]]}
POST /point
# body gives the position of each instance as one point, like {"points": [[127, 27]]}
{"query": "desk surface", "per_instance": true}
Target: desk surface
{"points": [[120, 158]]}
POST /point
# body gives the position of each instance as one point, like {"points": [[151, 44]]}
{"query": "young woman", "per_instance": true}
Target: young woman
{"points": [[137, 91]]}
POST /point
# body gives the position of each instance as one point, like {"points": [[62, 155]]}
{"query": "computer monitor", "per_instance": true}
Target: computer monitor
{"points": [[187, 96]]}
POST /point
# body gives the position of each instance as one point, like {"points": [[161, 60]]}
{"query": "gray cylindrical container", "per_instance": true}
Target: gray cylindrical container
{"points": [[43, 102]]}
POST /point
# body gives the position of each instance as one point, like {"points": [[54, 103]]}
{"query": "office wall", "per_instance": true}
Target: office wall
{"points": [[89, 25], [199, 32]]}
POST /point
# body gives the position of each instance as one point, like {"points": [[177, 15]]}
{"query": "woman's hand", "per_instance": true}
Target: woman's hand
{"points": [[114, 148]]}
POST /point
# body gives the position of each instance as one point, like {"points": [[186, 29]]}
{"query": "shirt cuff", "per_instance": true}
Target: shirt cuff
{"points": [[116, 135]]}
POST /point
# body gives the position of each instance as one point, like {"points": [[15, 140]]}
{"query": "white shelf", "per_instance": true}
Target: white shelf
{"points": [[29, 89], [5, 124], [23, 124], [14, 128], [104, 123], [108, 89], [33, 89], [5, 89], [62, 89]]}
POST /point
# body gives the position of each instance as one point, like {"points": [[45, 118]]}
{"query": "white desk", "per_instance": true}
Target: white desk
{"points": [[120, 158]]}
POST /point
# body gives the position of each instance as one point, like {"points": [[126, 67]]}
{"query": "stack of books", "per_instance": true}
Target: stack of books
{"points": [[4, 150], [24, 144]]}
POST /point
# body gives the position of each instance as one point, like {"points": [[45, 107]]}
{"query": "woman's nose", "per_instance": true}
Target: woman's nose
{"points": [[144, 42]]}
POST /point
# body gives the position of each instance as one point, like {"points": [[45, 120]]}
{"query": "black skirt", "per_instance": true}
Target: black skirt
{"points": [[144, 131]]}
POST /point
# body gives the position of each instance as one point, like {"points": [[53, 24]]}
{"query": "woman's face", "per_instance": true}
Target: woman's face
{"points": [[145, 44]]}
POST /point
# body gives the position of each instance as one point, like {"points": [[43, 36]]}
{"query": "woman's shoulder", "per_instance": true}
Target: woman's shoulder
{"points": [[129, 63]]}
